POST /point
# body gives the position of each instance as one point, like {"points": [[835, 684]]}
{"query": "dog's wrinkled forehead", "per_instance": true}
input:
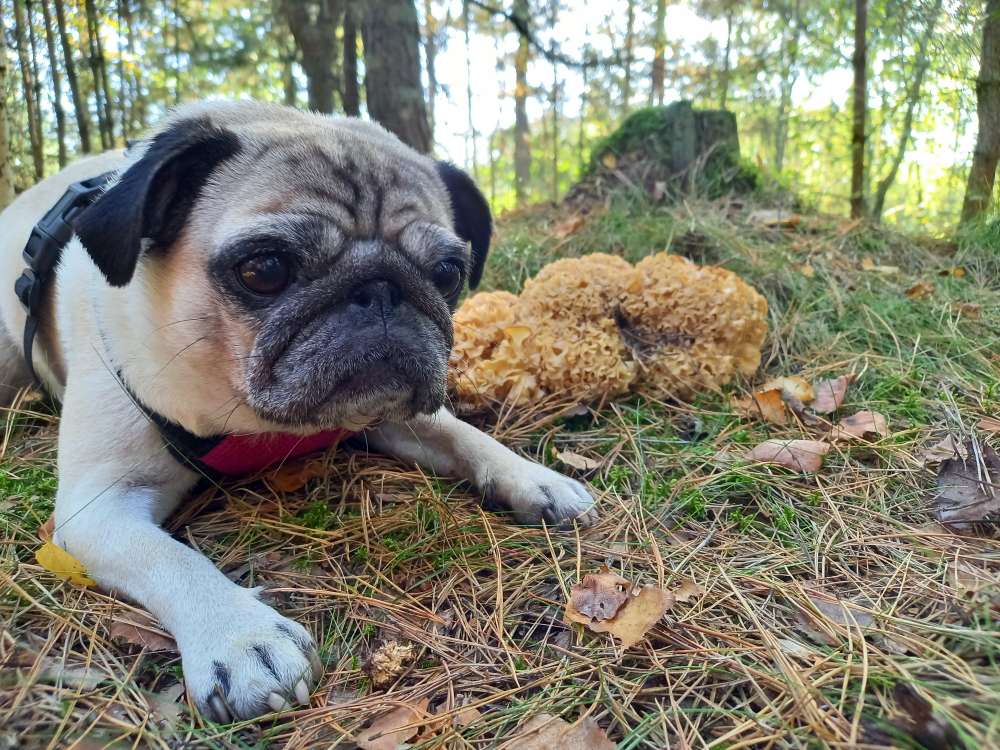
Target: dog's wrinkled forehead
{"points": [[364, 189], [214, 170]]}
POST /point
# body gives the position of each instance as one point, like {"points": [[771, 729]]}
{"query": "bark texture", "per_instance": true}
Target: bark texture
{"points": [[393, 89], [6, 173], [28, 89], [79, 105], [314, 26], [522, 134], [860, 111], [351, 96], [659, 54], [982, 175], [57, 107]]}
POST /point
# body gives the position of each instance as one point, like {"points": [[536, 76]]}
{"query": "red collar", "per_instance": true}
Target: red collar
{"points": [[239, 455]]}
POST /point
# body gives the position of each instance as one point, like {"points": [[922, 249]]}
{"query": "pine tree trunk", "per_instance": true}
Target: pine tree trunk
{"points": [[123, 90], [581, 134], [35, 76], [57, 107], [79, 105], [95, 55], [789, 74], [522, 134], [314, 26], [6, 172], [393, 89], [430, 54], [629, 51], [137, 102], [921, 63], [659, 52], [724, 81], [982, 175], [554, 105], [350, 95], [28, 88], [860, 109]]}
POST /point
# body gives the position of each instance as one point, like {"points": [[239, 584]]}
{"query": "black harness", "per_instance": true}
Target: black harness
{"points": [[43, 250], [41, 254]]}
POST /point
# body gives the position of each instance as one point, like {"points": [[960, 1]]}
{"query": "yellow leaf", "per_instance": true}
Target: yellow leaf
{"points": [[62, 564], [609, 160]]}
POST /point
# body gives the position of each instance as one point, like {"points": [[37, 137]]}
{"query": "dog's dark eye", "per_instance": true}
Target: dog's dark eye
{"points": [[448, 278], [264, 274]]}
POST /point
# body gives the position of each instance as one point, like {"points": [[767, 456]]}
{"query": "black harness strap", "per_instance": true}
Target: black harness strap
{"points": [[43, 250]]}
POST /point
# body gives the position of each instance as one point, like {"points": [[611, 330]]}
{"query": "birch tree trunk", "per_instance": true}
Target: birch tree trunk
{"points": [[860, 109], [921, 63], [982, 175], [57, 107], [28, 88], [79, 105], [6, 173], [35, 77]]}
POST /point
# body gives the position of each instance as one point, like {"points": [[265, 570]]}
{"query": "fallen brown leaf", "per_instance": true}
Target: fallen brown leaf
{"points": [[921, 723], [570, 226], [942, 450], [46, 530], [863, 425], [164, 706], [830, 393], [581, 463], [292, 477], [968, 490], [687, 591], [607, 603], [141, 630], [920, 290], [840, 612], [598, 596], [956, 272], [637, 616], [391, 729], [792, 388], [969, 579], [547, 732], [799, 455], [989, 424], [969, 310], [767, 405]]}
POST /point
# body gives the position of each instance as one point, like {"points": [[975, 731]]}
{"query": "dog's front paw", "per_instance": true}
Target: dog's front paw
{"points": [[532, 494], [245, 660]]}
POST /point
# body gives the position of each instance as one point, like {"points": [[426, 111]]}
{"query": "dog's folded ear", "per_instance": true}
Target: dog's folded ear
{"points": [[471, 215], [149, 205]]}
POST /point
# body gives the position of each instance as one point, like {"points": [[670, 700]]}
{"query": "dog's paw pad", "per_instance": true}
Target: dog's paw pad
{"points": [[259, 663]]}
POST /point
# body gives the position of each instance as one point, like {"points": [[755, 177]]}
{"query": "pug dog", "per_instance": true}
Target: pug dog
{"points": [[248, 273]]}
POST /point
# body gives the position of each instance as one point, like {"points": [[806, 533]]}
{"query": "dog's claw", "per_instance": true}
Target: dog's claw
{"points": [[302, 693], [277, 702], [219, 709]]}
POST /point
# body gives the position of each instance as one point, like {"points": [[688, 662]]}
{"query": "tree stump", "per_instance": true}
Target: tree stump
{"points": [[669, 151]]}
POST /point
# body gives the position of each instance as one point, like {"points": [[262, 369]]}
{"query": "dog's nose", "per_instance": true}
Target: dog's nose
{"points": [[377, 293]]}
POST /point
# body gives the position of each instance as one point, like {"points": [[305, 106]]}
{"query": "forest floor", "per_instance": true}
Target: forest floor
{"points": [[823, 610]]}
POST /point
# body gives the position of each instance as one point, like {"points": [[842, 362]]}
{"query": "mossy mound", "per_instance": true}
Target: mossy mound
{"points": [[670, 151]]}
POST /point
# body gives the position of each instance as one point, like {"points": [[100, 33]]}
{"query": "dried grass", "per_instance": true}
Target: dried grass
{"points": [[765, 657]]}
